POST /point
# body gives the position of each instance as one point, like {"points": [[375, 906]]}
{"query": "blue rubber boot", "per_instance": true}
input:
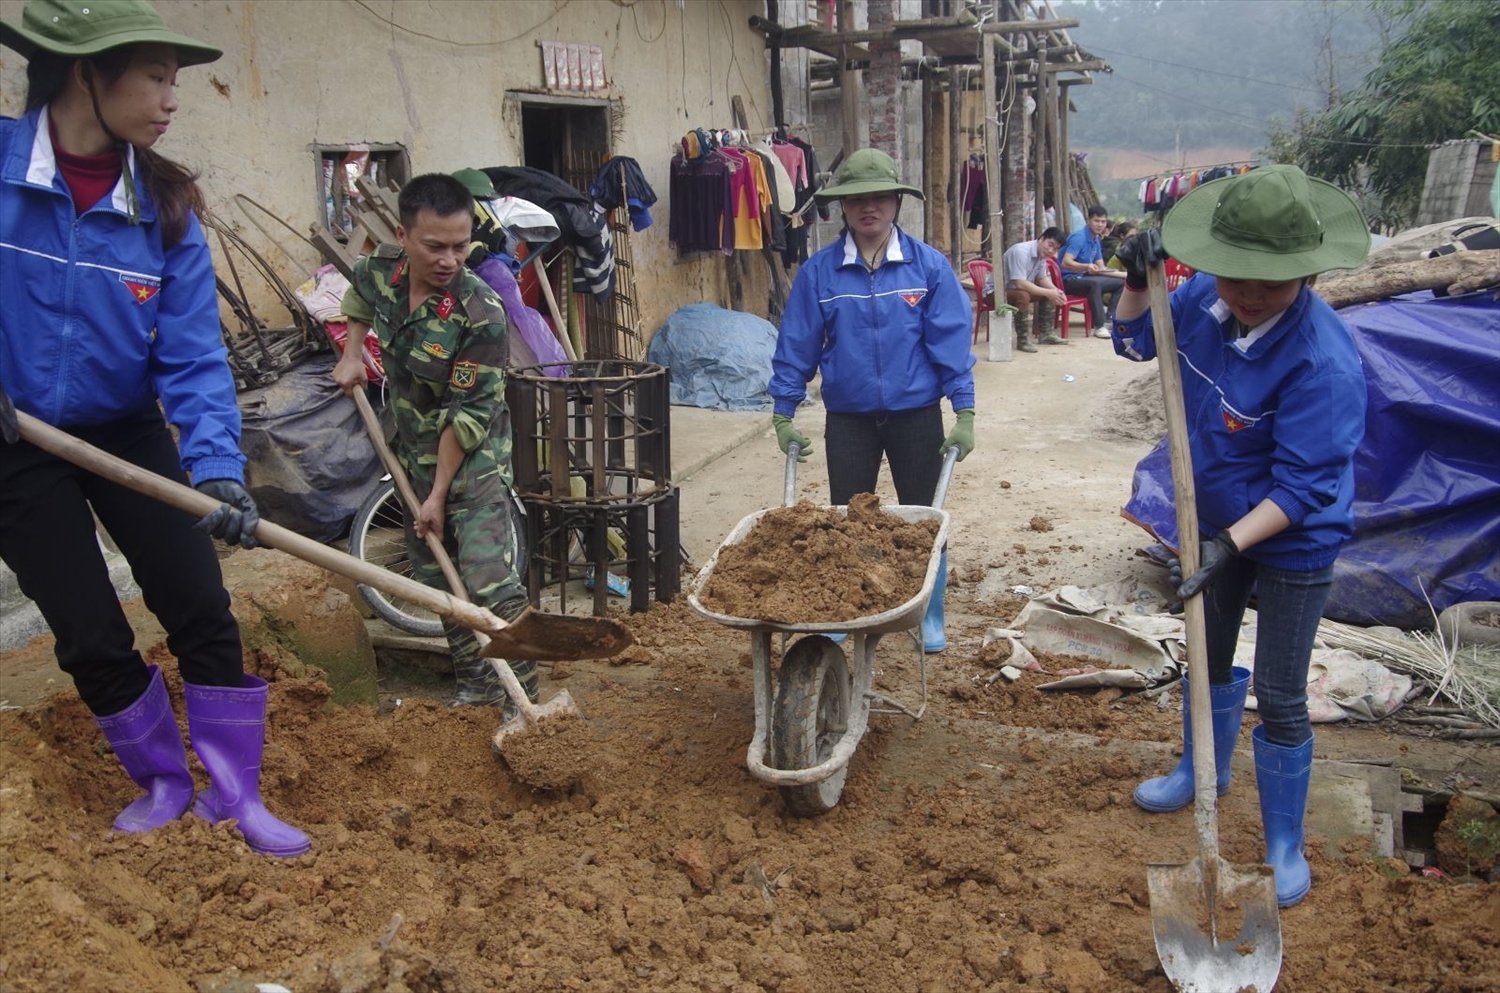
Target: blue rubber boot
{"points": [[1281, 775], [934, 637], [228, 728], [1174, 791], [148, 744]]}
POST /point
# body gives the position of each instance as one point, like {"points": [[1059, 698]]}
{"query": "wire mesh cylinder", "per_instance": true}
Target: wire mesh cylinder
{"points": [[592, 457]]}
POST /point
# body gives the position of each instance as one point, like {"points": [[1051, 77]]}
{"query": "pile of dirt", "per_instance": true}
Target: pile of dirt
{"points": [[991, 846], [808, 564]]}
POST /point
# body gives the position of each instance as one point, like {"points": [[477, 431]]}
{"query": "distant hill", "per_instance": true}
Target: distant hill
{"points": [[1206, 75]]}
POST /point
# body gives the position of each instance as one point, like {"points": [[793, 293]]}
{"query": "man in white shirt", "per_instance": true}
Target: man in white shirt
{"points": [[1027, 281]]}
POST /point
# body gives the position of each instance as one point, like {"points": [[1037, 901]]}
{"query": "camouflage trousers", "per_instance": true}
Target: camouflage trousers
{"points": [[1046, 317], [483, 545]]}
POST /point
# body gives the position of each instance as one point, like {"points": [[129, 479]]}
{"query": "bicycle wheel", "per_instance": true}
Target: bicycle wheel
{"points": [[378, 536]]}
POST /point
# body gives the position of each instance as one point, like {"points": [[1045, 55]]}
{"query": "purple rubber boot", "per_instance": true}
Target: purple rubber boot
{"points": [[228, 728], [145, 738]]}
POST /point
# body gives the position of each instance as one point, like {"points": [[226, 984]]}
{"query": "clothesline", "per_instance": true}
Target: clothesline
{"points": [[1194, 168]]}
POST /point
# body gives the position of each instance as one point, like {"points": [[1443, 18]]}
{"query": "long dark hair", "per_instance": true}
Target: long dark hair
{"points": [[173, 187]]}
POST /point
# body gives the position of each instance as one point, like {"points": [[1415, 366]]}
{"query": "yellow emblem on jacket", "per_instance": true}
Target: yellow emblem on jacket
{"points": [[465, 375], [435, 349]]}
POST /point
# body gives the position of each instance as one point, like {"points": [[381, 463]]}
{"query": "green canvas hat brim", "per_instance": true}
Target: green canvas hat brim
{"points": [[864, 187], [189, 51], [477, 183], [1188, 236]]}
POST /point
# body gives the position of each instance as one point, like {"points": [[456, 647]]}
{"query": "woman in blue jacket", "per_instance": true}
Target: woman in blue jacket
{"points": [[884, 320], [1275, 399], [110, 309]]}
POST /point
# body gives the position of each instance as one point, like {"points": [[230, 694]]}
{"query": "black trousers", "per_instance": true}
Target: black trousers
{"points": [[909, 440], [48, 538]]}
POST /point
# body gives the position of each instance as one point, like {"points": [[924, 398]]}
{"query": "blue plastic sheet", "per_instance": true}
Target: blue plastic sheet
{"points": [[1426, 475], [720, 359]]}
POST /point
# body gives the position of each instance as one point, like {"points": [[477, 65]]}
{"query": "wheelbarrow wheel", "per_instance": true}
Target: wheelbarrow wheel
{"points": [[811, 714]]}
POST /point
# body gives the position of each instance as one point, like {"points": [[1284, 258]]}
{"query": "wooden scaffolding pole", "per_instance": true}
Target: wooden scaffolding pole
{"points": [[1060, 194], [1000, 345], [958, 151], [1039, 150]]}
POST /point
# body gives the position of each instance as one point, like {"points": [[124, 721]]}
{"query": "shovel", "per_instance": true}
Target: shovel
{"points": [[534, 635], [561, 705], [1216, 925]]}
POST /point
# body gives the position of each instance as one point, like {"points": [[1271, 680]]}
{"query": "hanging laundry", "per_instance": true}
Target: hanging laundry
{"points": [[620, 177]]}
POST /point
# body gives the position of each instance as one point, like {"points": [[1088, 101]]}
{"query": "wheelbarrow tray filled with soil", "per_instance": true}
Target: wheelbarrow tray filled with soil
{"points": [[811, 713]]}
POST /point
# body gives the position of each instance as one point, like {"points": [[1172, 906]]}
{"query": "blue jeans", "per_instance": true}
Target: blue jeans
{"points": [[909, 440], [1289, 606]]}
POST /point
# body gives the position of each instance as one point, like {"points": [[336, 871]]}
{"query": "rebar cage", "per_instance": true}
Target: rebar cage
{"points": [[592, 457]]}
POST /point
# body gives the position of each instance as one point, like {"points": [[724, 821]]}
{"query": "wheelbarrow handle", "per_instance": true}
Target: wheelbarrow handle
{"points": [[789, 485], [950, 459]]}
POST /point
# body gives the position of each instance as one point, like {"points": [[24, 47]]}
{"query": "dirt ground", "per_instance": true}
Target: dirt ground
{"points": [[989, 846]]}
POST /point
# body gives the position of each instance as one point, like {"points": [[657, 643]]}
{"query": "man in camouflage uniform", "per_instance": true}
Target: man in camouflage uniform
{"points": [[444, 341]]}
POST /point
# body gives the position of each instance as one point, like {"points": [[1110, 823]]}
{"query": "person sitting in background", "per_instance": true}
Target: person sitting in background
{"points": [[1027, 282], [1110, 243], [1085, 274]]}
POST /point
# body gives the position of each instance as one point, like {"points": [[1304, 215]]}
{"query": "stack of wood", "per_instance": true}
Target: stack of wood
{"points": [[1402, 265], [375, 217]]}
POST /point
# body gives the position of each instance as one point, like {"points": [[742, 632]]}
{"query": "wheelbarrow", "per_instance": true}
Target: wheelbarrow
{"points": [[814, 713]]}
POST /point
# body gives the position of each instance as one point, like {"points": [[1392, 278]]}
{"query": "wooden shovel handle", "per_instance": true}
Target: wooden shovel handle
{"points": [[408, 495], [1205, 779], [185, 498]]}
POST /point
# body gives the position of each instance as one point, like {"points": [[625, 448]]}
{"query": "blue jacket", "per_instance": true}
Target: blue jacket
{"points": [[1084, 246], [97, 321], [1279, 420], [892, 340]]}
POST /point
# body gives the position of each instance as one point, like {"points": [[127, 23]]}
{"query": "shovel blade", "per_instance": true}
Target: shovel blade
{"points": [[1222, 937], [558, 638]]}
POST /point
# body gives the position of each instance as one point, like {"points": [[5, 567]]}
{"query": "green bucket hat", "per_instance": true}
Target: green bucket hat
{"points": [[478, 184], [868, 170], [1273, 223], [80, 28]]}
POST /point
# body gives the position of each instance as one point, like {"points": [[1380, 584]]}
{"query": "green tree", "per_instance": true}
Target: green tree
{"points": [[1435, 82]]}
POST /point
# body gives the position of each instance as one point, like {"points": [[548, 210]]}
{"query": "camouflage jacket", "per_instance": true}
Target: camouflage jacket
{"points": [[446, 363]]}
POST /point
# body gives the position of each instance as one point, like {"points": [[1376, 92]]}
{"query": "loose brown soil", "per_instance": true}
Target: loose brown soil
{"points": [[991, 846], [807, 564]]}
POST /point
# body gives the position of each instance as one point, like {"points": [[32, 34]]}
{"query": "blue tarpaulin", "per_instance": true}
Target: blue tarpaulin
{"points": [[1426, 475], [720, 359]]}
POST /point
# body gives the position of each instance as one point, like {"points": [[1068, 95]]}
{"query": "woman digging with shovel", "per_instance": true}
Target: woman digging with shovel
{"points": [[110, 308], [1275, 402]]}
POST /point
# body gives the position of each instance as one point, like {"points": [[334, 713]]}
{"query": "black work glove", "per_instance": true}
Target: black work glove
{"points": [[236, 517], [10, 428], [1212, 557], [1140, 252]]}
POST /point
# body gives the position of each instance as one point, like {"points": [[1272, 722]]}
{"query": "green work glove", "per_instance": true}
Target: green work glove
{"points": [[962, 435], [786, 434]]}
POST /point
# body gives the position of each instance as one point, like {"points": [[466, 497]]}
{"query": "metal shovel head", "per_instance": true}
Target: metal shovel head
{"points": [[1219, 937], [558, 637], [560, 706]]}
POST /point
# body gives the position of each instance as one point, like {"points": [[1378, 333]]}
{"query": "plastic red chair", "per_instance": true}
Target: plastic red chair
{"points": [[1065, 312], [979, 271], [1176, 274]]}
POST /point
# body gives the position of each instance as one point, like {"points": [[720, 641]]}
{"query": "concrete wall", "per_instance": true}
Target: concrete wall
{"points": [[1460, 181], [441, 78]]}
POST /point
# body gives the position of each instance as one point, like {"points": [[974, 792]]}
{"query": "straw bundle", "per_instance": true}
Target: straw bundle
{"points": [[1468, 676]]}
